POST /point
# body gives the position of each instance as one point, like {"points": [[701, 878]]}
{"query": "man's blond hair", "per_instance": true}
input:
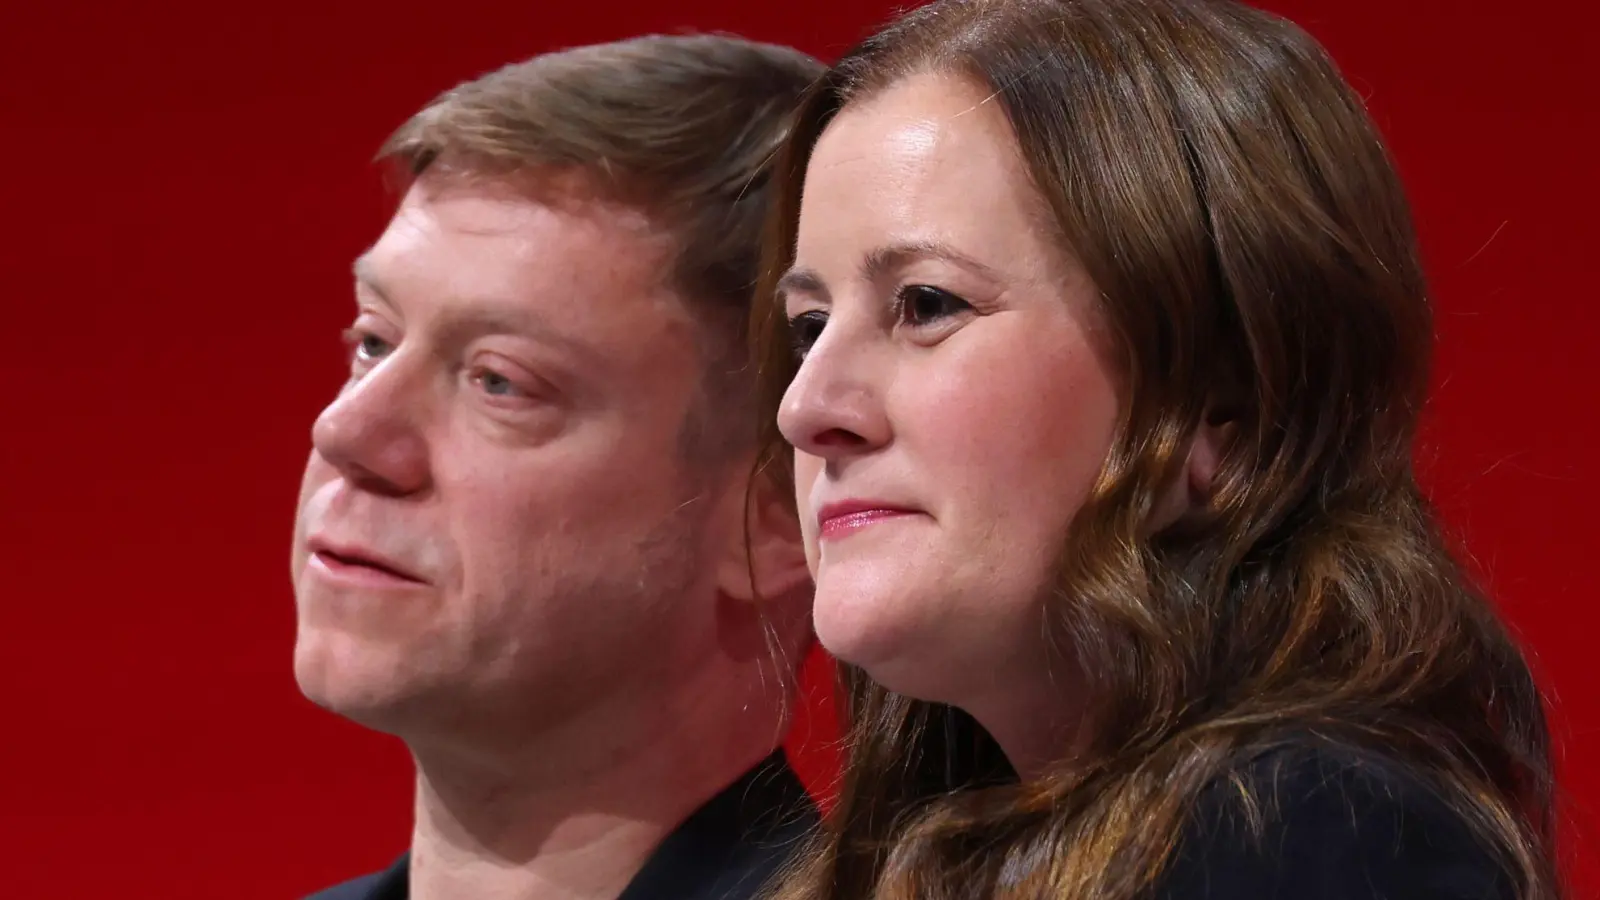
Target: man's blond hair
{"points": [[681, 127]]}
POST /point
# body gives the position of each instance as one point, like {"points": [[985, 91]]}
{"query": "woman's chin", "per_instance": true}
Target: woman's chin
{"points": [[860, 627], [893, 649]]}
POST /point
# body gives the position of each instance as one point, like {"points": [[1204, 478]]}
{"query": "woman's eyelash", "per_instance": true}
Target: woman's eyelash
{"points": [[923, 304], [914, 304], [804, 330]]}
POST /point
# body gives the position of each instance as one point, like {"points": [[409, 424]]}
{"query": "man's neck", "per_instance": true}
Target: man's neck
{"points": [[518, 842], [574, 815]]}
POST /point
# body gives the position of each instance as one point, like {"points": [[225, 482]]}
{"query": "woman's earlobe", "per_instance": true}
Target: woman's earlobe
{"points": [[1211, 440], [1191, 488]]}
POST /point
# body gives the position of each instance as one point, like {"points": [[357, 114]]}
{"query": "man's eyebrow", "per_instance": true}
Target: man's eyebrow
{"points": [[367, 278], [467, 317], [466, 320]]}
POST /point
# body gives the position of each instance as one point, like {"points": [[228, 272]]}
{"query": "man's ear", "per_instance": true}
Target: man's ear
{"points": [[767, 560]]}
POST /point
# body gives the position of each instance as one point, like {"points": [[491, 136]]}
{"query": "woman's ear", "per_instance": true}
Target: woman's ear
{"points": [[1211, 439], [1192, 489]]}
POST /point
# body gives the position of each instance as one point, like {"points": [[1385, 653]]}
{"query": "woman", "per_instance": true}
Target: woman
{"points": [[1098, 333]]}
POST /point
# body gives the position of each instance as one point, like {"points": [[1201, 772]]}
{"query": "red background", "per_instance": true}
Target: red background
{"points": [[185, 185]]}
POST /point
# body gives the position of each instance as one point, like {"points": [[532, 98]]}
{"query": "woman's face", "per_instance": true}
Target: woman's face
{"points": [[955, 400]]}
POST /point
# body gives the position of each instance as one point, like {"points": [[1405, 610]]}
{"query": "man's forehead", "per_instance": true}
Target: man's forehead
{"points": [[480, 255], [580, 195], [503, 238]]}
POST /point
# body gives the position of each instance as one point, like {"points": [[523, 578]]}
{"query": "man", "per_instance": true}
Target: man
{"points": [[524, 542]]}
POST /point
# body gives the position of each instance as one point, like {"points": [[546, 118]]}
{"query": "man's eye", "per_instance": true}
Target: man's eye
{"points": [[496, 385], [366, 346], [374, 347]]}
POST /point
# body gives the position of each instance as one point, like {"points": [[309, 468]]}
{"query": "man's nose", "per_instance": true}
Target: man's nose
{"points": [[372, 432]]}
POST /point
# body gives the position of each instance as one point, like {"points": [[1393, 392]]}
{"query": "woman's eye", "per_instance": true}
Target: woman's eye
{"points": [[922, 304], [804, 331]]}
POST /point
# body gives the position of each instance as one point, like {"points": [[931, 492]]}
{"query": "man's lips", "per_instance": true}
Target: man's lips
{"points": [[353, 559]]}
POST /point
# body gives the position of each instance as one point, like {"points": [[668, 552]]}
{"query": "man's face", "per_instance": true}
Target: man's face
{"points": [[495, 517]]}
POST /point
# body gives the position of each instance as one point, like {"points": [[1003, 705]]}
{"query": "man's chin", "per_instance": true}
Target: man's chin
{"points": [[364, 690]]}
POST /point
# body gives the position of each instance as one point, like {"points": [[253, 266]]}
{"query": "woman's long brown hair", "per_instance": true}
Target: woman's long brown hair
{"points": [[1236, 208]]}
